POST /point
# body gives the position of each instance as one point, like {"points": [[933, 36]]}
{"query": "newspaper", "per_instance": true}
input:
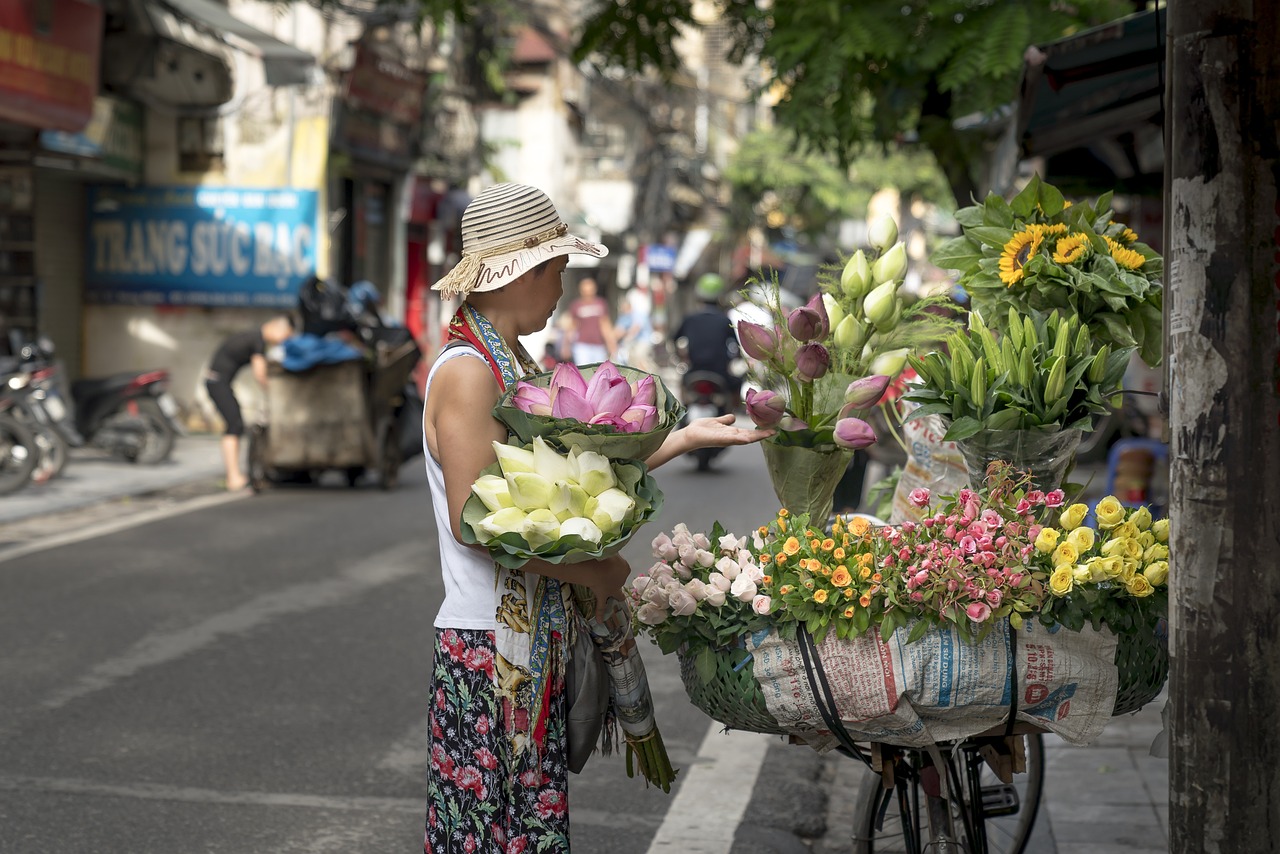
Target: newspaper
{"points": [[942, 687]]}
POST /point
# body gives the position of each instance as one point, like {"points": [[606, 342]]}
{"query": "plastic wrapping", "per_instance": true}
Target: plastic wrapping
{"points": [[1046, 455], [805, 479]]}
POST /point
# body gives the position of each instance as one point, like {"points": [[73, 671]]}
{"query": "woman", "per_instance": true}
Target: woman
{"points": [[497, 780]]}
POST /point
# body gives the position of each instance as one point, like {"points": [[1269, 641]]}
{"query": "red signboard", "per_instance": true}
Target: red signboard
{"points": [[49, 61], [379, 85]]}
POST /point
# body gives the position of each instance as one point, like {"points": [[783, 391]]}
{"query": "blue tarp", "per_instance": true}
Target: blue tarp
{"points": [[302, 352]]}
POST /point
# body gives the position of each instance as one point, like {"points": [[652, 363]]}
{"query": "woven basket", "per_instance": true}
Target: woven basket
{"points": [[733, 697]]}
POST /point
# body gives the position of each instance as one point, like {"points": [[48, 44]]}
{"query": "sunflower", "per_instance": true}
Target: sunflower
{"points": [[1071, 248], [1127, 235], [1045, 230], [1020, 249], [1124, 256]]}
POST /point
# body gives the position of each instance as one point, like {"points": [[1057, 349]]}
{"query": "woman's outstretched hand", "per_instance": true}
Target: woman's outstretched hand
{"points": [[719, 432]]}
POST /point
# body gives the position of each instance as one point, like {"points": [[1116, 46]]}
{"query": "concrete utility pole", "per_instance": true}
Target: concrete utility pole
{"points": [[1223, 306]]}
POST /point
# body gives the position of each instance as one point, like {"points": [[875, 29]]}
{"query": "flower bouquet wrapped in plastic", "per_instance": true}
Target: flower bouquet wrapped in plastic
{"points": [[559, 507], [618, 411]]}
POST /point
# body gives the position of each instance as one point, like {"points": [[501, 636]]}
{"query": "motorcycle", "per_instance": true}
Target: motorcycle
{"points": [[19, 452], [43, 407], [705, 395], [130, 415]]}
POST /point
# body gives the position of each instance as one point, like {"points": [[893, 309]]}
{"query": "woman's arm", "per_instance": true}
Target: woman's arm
{"points": [[716, 432], [258, 364], [460, 435]]}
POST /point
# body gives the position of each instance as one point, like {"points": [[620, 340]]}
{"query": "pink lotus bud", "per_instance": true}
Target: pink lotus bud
{"points": [[608, 391], [641, 419], [765, 408], [866, 392], [532, 399], [791, 423], [571, 403], [854, 434], [645, 393], [757, 342], [567, 375], [809, 321], [812, 361]]}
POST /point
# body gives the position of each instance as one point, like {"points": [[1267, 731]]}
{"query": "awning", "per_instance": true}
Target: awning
{"points": [[285, 65]]}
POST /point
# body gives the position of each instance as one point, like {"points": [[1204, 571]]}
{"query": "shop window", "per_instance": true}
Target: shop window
{"points": [[200, 144]]}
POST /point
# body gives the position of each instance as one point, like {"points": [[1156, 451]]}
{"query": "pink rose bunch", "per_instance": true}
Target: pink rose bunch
{"points": [[607, 398]]}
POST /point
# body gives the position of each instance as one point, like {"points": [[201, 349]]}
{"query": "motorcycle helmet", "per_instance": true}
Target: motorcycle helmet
{"points": [[709, 287]]}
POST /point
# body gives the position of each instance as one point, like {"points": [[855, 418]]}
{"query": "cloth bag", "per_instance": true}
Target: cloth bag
{"points": [[586, 694]]}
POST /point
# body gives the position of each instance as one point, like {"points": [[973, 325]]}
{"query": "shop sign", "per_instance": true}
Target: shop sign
{"points": [[660, 258], [212, 246], [49, 62], [113, 137], [378, 85]]}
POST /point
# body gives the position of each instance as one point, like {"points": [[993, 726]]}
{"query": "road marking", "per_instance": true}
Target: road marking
{"points": [[713, 796], [114, 526], [155, 649]]}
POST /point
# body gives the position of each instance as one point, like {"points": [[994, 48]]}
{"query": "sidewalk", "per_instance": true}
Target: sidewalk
{"points": [[1107, 798], [93, 477]]}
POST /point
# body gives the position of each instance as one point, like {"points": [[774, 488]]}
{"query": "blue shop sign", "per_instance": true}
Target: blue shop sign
{"points": [[212, 246], [660, 258]]}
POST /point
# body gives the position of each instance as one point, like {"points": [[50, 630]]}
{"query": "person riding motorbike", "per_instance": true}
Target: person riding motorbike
{"points": [[706, 338]]}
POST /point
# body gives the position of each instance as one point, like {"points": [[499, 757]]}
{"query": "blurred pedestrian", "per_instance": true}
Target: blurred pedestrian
{"points": [[635, 333], [242, 348], [594, 338]]}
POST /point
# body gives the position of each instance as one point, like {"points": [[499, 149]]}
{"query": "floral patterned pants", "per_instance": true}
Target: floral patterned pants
{"points": [[479, 797]]}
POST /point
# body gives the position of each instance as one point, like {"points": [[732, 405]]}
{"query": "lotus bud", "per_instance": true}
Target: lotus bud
{"points": [[866, 392], [883, 232], [757, 342], [890, 363], [572, 404], [853, 434], [610, 509], [792, 424], [568, 500], [850, 334], [530, 491], [808, 323], [580, 526], [891, 266], [640, 419], [492, 492], [856, 275], [645, 392], [513, 459], [812, 362], [878, 307], [835, 313], [608, 392], [595, 473], [506, 521], [567, 375], [765, 408], [540, 528], [548, 462], [532, 399]]}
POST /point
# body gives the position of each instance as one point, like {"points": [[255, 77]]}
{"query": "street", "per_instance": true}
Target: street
{"points": [[251, 677]]}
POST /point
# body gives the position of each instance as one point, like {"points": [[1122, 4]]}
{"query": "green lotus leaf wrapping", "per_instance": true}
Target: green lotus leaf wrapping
{"points": [[567, 433]]}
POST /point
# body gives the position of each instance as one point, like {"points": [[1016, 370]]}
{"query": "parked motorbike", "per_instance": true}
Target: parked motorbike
{"points": [[705, 395], [42, 405], [131, 415], [18, 450]]}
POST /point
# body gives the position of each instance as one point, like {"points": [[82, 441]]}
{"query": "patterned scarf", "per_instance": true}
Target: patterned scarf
{"points": [[527, 619]]}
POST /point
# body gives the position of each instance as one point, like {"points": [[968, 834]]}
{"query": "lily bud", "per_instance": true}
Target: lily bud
{"points": [[812, 362], [853, 434], [866, 392], [850, 334], [540, 528], [856, 275], [891, 266], [513, 459], [505, 521], [878, 306], [765, 408], [883, 232], [757, 342], [492, 492], [890, 363], [548, 462], [835, 313], [580, 526], [532, 399], [531, 491], [595, 474]]}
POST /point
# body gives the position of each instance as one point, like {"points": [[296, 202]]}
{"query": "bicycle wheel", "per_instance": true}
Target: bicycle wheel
{"points": [[1006, 833]]}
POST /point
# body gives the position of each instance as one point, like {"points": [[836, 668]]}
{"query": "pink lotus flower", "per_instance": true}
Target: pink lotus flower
{"points": [[645, 393], [757, 342], [812, 362], [532, 399], [809, 321], [765, 408], [608, 399], [570, 403], [854, 434], [866, 392]]}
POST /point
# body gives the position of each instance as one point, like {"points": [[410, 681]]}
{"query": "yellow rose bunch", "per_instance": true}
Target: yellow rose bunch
{"points": [[1116, 573]]}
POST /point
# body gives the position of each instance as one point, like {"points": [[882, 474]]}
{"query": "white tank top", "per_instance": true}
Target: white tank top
{"points": [[470, 580]]}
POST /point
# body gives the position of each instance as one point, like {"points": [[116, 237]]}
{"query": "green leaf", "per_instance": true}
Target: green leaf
{"points": [[962, 428], [991, 236], [918, 631], [958, 253]]}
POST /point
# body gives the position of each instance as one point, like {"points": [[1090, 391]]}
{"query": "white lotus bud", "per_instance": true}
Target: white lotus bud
{"points": [[856, 275], [505, 521], [540, 528], [530, 491], [834, 312], [580, 526], [850, 334], [595, 473], [549, 462], [890, 363], [568, 500], [492, 491], [610, 509], [513, 459], [880, 304], [891, 266], [882, 232]]}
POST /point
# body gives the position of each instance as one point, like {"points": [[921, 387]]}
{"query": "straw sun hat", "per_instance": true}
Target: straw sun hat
{"points": [[508, 230]]}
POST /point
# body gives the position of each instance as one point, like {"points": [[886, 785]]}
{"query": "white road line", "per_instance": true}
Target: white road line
{"points": [[384, 567], [124, 523], [713, 797]]}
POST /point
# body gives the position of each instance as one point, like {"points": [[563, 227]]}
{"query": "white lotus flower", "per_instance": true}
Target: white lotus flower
{"points": [[610, 509], [541, 527], [581, 527], [568, 500], [595, 472], [504, 521], [493, 492], [513, 459], [549, 462], [530, 491]]}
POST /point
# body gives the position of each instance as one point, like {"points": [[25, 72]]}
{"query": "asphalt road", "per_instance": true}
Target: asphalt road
{"points": [[251, 677]]}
